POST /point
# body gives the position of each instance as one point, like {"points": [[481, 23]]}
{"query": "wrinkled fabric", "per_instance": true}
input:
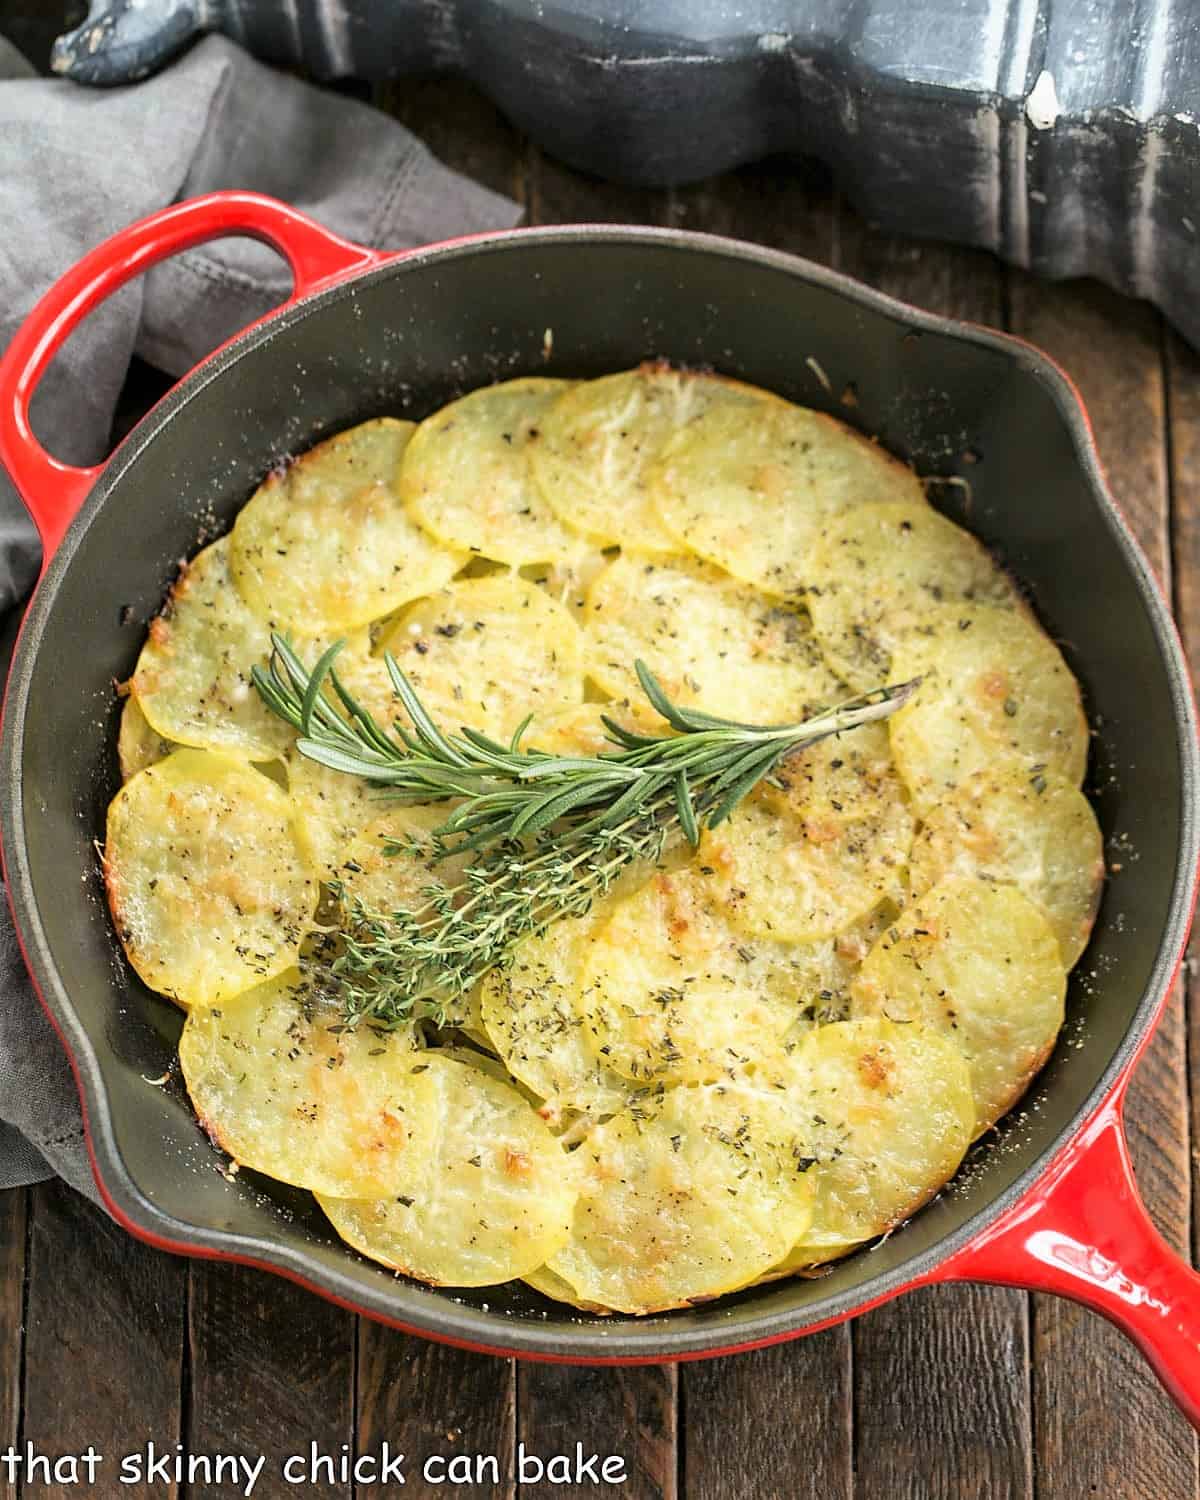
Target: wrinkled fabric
{"points": [[77, 165]]}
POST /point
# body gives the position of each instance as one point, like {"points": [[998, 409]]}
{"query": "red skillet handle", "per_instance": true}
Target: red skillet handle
{"points": [[54, 491], [1084, 1233]]}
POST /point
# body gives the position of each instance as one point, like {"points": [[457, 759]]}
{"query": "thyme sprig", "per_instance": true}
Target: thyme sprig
{"points": [[548, 833]]}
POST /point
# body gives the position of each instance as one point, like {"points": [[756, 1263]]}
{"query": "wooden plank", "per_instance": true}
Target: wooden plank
{"points": [[631, 1414], [772, 1424], [103, 1342], [14, 1221], [1183, 411], [1082, 1367], [941, 1396], [430, 1401], [788, 206], [271, 1372], [942, 1378]]}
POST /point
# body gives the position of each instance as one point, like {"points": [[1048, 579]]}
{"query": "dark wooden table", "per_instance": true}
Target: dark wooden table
{"points": [[962, 1393]]}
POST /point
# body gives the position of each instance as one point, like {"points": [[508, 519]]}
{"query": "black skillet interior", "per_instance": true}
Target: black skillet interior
{"points": [[403, 340]]}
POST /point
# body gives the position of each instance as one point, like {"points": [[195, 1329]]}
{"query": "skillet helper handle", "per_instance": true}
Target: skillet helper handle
{"points": [[53, 491], [1084, 1233]]}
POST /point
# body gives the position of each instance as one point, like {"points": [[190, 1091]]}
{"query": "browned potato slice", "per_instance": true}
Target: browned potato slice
{"points": [[750, 488], [878, 573], [889, 1114], [192, 680], [544, 1280], [487, 652], [326, 545], [811, 857], [465, 476], [1030, 828], [672, 991], [209, 887], [710, 640], [685, 1195], [532, 1017], [996, 691], [596, 443], [489, 1199], [980, 963], [286, 1088], [138, 746]]}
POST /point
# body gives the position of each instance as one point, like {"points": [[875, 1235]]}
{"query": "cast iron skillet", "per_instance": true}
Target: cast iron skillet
{"points": [[1049, 1203]]}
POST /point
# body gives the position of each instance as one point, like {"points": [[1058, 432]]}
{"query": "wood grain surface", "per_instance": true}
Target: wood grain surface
{"points": [[961, 1393]]}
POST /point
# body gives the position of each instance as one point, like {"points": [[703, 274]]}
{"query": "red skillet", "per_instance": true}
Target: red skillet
{"points": [[1050, 1202]]}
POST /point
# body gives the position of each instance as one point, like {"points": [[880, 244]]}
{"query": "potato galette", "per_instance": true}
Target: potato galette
{"points": [[750, 1053]]}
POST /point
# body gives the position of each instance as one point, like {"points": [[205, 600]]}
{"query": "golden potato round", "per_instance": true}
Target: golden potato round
{"points": [[980, 963], [531, 1015], [995, 691], [286, 1088], [685, 1195], [489, 1199], [209, 886], [889, 1113], [192, 680], [332, 809], [580, 730], [807, 859], [596, 443], [325, 545], [543, 1280], [465, 476], [390, 865], [138, 746], [488, 651], [710, 641], [749, 488], [877, 574], [1032, 829], [672, 991]]}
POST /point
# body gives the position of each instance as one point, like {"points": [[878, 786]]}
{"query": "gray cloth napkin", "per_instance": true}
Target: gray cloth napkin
{"points": [[76, 165]]}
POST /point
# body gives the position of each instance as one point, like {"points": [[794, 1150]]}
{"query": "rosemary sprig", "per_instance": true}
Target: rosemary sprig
{"points": [[549, 833]]}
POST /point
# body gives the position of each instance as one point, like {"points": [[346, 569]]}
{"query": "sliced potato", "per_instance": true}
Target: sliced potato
{"points": [[672, 991], [192, 680], [709, 640], [390, 865], [487, 651], [544, 1280], [889, 1113], [808, 858], [490, 1198], [532, 1017], [580, 730], [981, 963], [326, 544], [879, 571], [995, 691], [138, 746], [332, 809], [595, 444], [1032, 829], [750, 488], [685, 1195], [282, 1085], [209, 887], [465, 476]]}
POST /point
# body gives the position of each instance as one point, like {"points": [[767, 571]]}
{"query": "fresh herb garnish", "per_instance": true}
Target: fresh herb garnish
{"points": [[549, 833]]}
